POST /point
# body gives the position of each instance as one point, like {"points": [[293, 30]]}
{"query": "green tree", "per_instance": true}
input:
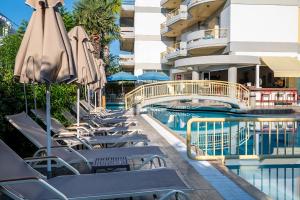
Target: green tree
{"points": [[67, 17], [112, 65], [99, 17]]}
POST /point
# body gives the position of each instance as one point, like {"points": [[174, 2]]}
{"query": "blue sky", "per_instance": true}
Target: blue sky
{"points": [[17, 10]]}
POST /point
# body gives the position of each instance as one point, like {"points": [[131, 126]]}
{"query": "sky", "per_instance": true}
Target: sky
{"points": [[17, 10]]}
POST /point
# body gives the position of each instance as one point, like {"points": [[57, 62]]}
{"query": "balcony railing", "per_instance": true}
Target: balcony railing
{"points": [[177, 47], [176, 14], [209, 34], [127, 32], [126, 60], [173, 13]]}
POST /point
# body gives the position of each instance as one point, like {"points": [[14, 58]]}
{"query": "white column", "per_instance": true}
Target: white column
{"points": [[202, 76], [257, 76], [232, 74], [195, 75], [232, 78]]}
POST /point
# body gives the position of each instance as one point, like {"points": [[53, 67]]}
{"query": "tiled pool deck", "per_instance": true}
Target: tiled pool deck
{"points": [[200, 175]]}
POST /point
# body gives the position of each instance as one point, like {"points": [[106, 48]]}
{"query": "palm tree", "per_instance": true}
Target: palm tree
{"points": [[99, 17]]}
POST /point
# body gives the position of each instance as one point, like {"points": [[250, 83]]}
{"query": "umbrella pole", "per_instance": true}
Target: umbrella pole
{"points": [[95, 99], [77, 111], [25, 97], [100, 97], [89, 97], [122, 89], [48, 119], [34, 98]]}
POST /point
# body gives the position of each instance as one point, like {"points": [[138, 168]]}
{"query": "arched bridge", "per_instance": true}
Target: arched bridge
{"points": [[232, 93]]}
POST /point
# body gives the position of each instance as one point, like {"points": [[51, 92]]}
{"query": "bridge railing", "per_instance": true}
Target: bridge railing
{"points": [[187, 88], [242, 138]]}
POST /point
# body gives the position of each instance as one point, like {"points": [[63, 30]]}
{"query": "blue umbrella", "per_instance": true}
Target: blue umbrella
{"points": [[122, 76], [154, 76]]}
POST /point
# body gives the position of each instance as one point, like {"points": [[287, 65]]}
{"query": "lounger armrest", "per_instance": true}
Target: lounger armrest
{"points": [[81, 124], [8, 181], [54, 158], [86, 144], [81, 128], [44, 149], [55, 147]]}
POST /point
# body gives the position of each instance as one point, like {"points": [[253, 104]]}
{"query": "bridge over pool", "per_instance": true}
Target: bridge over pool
{"points": [[234, 94]]}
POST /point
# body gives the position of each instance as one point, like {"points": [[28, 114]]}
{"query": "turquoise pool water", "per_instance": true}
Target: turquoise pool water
{"points": [[277, 181], [115, 106], [177, 122], [280, 182]]}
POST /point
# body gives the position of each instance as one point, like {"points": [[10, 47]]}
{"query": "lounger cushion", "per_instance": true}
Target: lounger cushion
{"points": [[107, 185]]}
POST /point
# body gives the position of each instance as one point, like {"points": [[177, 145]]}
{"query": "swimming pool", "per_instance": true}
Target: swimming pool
{"points": [[277, 181], [245, 144], [115, 106]]}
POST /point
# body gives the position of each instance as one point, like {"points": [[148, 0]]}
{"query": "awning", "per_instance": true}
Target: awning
{"points": [[283, 66]]}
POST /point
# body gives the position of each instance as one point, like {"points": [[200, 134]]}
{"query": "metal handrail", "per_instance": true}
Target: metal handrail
{"points": [[173, 13], [216, 141], [187, 88]]}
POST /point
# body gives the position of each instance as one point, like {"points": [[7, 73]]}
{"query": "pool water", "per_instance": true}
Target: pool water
{"points": [[115, 106], [277, 181], [177, 122], [280, 182]]}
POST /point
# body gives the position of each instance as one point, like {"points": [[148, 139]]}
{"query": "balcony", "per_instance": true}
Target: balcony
{"points": [[206, 42], [126, 61], [127, 32], [127, 9], [177, 51], [202, 9], [170, 4], [176, 21], [127, 38]]}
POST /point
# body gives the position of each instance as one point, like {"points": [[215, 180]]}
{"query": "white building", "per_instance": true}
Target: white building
{"points": [[245, 41], [5, 27], [230, 40], [141, 42]]}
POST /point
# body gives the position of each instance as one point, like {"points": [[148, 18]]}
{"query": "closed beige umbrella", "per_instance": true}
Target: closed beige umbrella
{"points": [[84, 59], [96, 86], [103, 80], [45, 54]]}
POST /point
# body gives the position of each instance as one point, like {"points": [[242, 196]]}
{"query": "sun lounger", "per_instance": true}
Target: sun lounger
{"points": [[112, 141], [33, 132], [102, 112], [104, 122], [83, 128], [20, 181]]}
